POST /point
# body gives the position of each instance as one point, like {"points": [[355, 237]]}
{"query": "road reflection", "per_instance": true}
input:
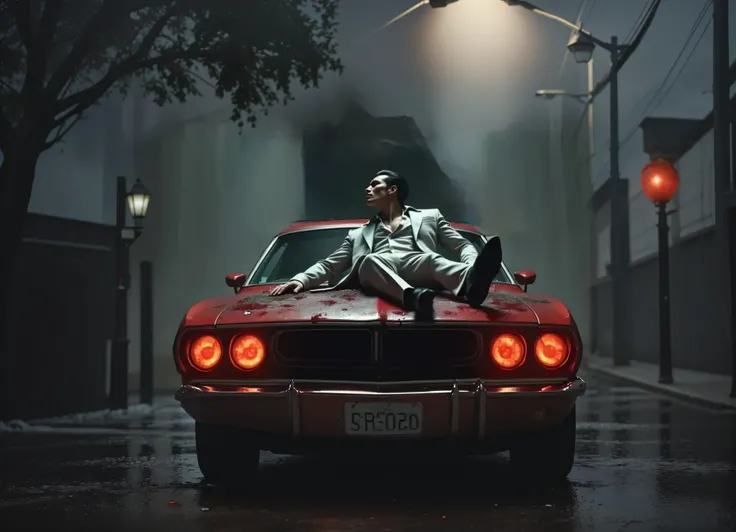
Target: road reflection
{"points": [[643, 463]]}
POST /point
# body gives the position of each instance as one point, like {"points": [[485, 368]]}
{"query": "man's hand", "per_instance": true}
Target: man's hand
{"points": [[287, 288]]}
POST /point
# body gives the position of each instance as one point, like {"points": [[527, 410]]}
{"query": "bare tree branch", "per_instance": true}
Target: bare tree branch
{"points": [[62, 130], [105, 14], [136, 61], [6, 131], [7, 88], [38, 50], [21, 11], [47, 29], [78, 102], [84, 48]]}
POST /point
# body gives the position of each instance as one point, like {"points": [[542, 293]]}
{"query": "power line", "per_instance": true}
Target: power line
{"points": [[639, 21], [694, 28], [629, 50], [654, 101], [642, 28]]}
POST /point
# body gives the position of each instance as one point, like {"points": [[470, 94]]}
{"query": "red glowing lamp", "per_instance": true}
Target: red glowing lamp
{"points": [[660, 181]]}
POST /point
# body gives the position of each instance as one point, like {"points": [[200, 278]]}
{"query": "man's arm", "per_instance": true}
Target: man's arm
{"points": [[328, 268], [449, 238]]}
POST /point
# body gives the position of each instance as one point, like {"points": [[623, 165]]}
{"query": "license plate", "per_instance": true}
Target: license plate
{"points": [[383, 419]]}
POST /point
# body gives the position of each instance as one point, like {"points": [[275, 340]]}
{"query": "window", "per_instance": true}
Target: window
{"points": [[293, 253]]}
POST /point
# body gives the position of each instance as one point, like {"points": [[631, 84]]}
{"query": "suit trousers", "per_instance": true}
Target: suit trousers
{"points": [[391, 274]]}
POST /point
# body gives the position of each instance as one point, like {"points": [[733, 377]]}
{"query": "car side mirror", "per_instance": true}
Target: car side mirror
{"points": [[525, 278], [236, 280]]}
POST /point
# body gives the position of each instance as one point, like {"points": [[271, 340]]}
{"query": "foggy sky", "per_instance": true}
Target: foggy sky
{"points": [[386, 68]]}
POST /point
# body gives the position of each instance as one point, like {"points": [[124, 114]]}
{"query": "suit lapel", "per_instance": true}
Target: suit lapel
{"points": [[415, 217], [369, 232]]}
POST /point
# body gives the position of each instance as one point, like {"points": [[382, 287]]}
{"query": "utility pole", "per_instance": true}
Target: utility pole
{"points": [[119, 356], [722, 164], [619, 209]]}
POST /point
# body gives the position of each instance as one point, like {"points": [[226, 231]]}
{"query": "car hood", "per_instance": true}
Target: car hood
{"points": [[254, 305]]}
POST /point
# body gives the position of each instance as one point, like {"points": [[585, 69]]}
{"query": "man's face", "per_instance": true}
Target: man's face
{"points": [[378, 193]]}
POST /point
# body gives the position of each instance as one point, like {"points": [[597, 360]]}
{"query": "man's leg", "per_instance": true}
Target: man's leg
{"points": [[471, 281], [379, 272], [484, 270], [432, 269]]}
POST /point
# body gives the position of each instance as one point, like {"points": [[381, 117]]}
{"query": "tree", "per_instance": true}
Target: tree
{"points": [[60, 57]]}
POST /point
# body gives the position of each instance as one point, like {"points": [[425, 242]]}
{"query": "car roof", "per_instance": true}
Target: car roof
{"points": [[303, 225]]}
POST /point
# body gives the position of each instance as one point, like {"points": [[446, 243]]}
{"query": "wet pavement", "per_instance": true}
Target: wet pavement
{"points": [[644, 463]]}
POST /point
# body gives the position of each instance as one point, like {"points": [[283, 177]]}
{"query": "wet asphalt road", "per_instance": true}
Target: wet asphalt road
{"points": [[644, 463]]}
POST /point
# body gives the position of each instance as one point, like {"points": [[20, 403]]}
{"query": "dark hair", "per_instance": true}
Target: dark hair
{"points": [[402, 186]]}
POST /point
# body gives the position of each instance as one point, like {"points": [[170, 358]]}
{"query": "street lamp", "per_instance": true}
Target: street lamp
{"points": [[137, 200], [581, 45], [549, 94], [581, 48], [659, 183]]}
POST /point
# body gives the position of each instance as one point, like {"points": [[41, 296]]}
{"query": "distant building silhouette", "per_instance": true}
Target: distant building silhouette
{"points": [[341, 158], [536, 199]]}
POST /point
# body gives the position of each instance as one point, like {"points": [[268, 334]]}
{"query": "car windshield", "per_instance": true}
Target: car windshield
{"points": [[293, 253]]}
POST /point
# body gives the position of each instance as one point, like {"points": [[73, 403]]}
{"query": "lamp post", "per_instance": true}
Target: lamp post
{"points": [[136, 200], [582, 46], [659, 183], [583, 228], [586, 99]]}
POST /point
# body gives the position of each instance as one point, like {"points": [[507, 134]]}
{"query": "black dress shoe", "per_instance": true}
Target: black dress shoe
{"points": [[419, 300], [485, 269]]}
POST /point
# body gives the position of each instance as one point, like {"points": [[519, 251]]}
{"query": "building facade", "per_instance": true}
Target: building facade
{"points": [[700, 307]]}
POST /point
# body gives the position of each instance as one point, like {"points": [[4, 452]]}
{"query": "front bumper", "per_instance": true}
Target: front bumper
{"points": [[460, 409]]}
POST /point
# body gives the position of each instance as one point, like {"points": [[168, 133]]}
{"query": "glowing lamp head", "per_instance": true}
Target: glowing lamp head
{"points": [[552, 350], [508, 351], [581, 48], [247, 352], [138, 199], [205, 352], [660, 181]]}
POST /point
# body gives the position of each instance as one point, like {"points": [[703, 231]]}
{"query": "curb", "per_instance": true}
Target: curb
{"points": [[664, 389]]}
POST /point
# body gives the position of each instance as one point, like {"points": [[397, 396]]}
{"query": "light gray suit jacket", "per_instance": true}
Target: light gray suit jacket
{"points": [[428, 226]]}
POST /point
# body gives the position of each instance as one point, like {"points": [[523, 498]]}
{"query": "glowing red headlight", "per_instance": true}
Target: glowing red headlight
{"points": [[205, 352], [552, 350], [508, 351], [247, 352]]}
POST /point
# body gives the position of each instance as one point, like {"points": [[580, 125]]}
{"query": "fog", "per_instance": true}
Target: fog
{"points": [[466, 74]]}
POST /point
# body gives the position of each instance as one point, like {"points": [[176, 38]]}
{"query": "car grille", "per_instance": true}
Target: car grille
{"points": [[405, 348], [337, 347], [406, 352]]}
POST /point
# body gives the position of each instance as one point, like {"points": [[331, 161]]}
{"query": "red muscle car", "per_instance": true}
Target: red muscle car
{"points": [[338, 369]]}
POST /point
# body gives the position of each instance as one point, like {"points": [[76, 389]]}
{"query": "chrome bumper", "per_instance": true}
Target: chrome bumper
{"points": [[280, 406]]}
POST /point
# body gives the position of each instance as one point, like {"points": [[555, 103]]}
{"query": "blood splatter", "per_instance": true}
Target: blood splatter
{"points": [[251, 306]]}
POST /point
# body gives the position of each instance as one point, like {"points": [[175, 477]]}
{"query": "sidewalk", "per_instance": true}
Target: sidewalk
{"points": [[706, 389]]}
